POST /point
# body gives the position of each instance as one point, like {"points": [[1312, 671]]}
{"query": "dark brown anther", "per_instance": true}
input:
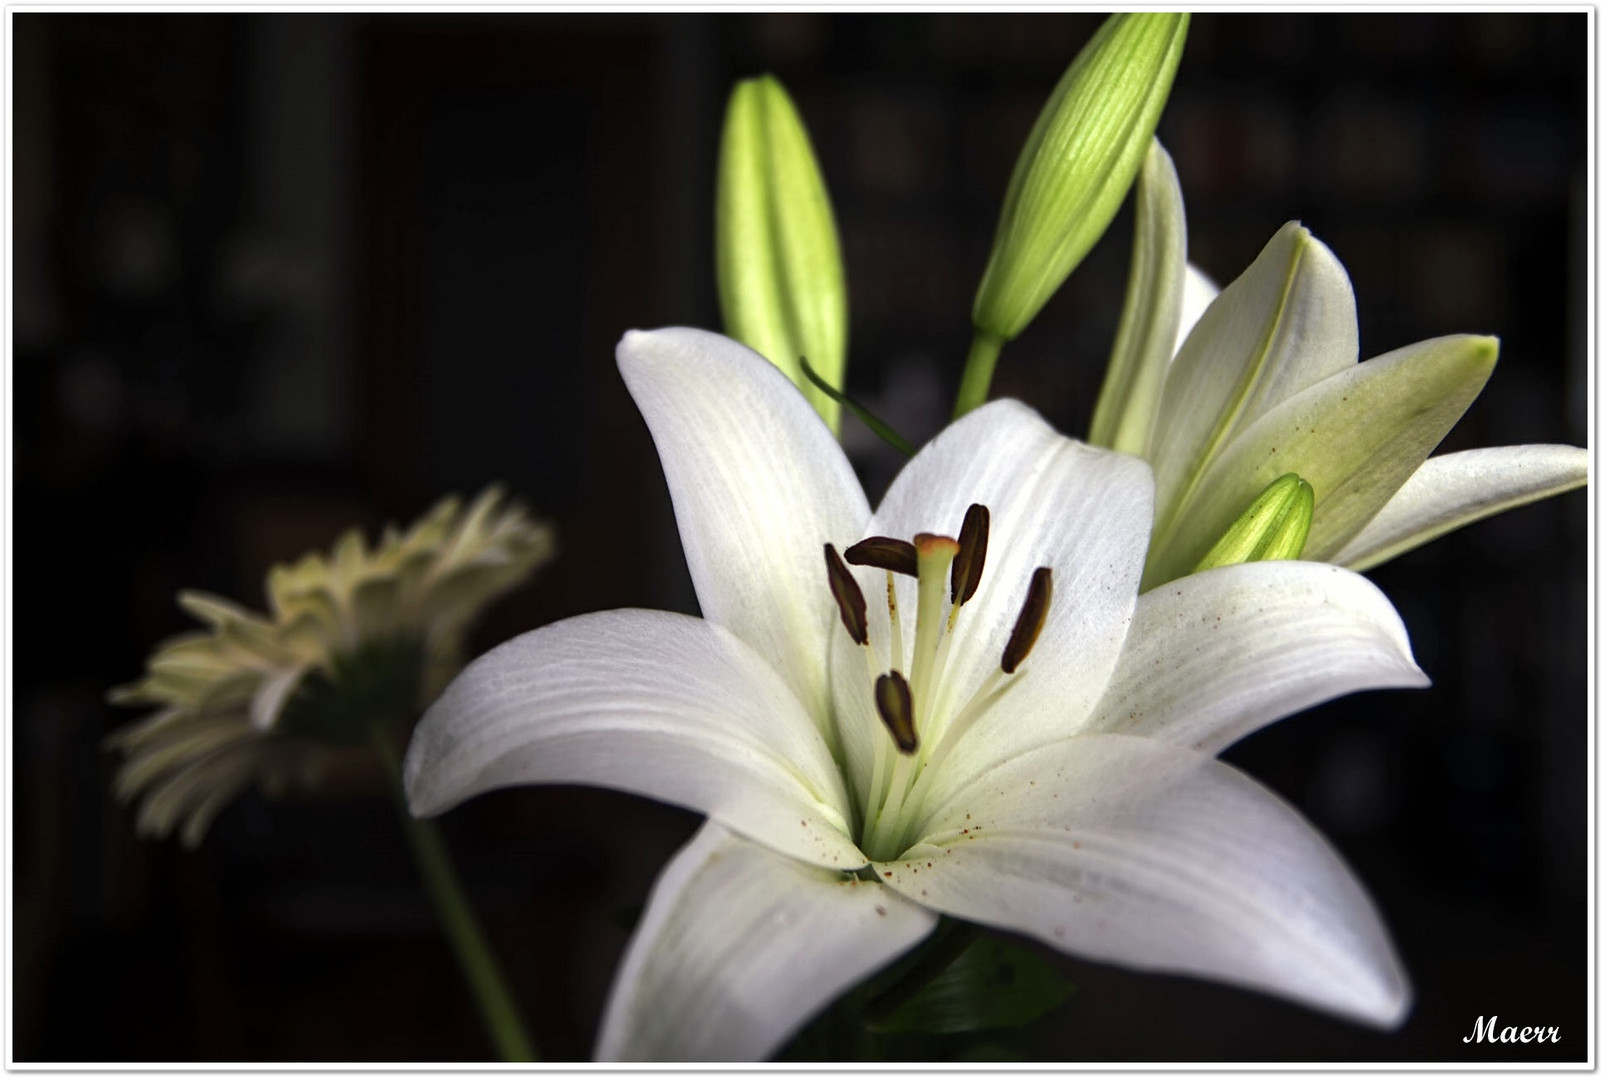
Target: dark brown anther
{"points": [[1033, 613], [885, 553], [849, 597], [972, 553], [896, 706]]}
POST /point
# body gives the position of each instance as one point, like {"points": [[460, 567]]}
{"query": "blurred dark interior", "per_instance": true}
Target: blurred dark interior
{"points": [[277, 274]]}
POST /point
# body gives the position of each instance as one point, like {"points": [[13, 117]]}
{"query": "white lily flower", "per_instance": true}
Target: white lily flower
{"points": [[1223, 392], [870, 753]]}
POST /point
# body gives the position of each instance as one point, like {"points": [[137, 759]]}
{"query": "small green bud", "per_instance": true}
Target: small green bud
{"points": [[781, 285], [1077, 164], [1274, 527]]}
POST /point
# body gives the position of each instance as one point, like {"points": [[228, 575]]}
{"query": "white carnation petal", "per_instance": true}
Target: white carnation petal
{"points": [[657, 704], [739, 946], [759, 487], [1214, 656], [1139, 853]]}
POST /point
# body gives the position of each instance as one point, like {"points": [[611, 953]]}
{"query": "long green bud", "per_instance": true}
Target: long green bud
{"points": [[1077, 164], [781, 285], [1275, 526]]}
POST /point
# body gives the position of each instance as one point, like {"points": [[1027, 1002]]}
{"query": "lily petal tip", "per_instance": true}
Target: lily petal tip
{"points": [[1391, 1004]]}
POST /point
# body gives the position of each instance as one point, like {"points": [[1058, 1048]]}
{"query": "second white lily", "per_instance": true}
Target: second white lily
{"points": [[1020, 742], [1225, 392]]}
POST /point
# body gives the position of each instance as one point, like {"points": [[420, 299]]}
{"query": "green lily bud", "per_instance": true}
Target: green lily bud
{"points": [[781, 285], [1274, 527], [1077, 165]]}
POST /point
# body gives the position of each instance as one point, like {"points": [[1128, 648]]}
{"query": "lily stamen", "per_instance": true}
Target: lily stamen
{"points": [[896, 620], [885, 553], [848, 596], [948, 574], [1027, 628], [1029, 624], [972, 553], [896, 707], [936, 554]]}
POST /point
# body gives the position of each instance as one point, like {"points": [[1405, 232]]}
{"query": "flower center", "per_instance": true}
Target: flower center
{"points": [[921, 726]]}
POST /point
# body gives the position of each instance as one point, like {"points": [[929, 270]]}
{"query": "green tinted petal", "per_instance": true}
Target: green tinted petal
{"points": [[1356, 437], [1146, 339], [1284, 325], [1452, 490]]}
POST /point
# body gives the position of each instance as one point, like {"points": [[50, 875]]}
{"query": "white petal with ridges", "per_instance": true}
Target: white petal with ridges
{"points": [[1452, 490], [759, 487], [1214, 656], [1079, 510], [739, 946], [1355, 437], [661, 705], [1285, 324], [1135, 852]]}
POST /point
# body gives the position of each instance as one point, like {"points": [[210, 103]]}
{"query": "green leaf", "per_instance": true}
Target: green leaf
{"points": [[992, 984], [1077, 164], [880, 427], [782, 288]]}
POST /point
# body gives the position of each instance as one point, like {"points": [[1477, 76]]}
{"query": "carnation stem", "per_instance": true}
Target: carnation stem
{"points": [[977, 379], [496, 1007]]}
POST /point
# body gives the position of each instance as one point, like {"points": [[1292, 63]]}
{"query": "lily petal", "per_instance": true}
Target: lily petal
{"points": [[1214, 656], [1452, 490], [1146, 340], [1135, 852], [644, 701], [759, 487], [1356, 437], [1198, 291], [1054, 502], [1285, 324], [739, 946]]}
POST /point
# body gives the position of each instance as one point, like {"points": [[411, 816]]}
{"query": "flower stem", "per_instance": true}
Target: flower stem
{"points": [[496, 1007], [977, 380]]}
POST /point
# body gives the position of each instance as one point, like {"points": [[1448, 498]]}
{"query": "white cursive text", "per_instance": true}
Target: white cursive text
{"points": [[1489, 1031]]}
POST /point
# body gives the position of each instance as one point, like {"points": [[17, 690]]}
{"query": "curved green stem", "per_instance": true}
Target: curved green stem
{"points": [[977, 380], [479, 966]]}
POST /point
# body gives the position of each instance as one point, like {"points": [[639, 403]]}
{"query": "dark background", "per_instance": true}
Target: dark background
{"points": [[274, 274]]}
